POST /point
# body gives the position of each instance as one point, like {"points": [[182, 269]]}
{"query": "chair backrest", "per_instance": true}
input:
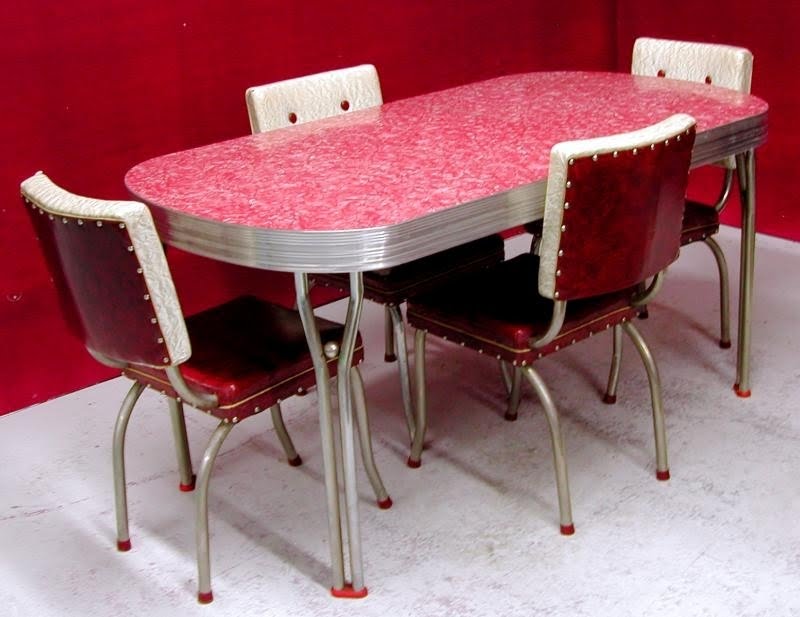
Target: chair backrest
{"points": [[110, 270], [720, 65], [613, 209], [312, 97]]}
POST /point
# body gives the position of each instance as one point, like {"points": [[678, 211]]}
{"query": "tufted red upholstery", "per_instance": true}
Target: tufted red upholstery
{"points": [[250, 354]]}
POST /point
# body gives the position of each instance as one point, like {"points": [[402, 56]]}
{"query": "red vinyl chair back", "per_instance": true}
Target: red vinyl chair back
{"points": [[613, 215], [125, 310]]}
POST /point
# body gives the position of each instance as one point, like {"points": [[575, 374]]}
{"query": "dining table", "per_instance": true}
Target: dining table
{"points": [[379, 187]]}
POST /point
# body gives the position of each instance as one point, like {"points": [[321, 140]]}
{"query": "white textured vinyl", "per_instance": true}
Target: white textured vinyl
{"points": [[725, 66], [312, 97]]}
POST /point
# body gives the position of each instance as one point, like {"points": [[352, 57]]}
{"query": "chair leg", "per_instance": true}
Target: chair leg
{"points": [[204, 595], [388, 335], [187, 478], [118, 457], [724, 294], [512, 382], [505, 374], [610, 397], [514, 395], [557, 443], [283, 436], [421, 402], [662, 466], [365, 440], [399, 337]]}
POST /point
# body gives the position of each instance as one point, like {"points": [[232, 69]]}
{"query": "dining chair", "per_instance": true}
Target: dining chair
{"points": [[723, 66], [322, 95], [717, 65], [232, 361], [612, 220]]}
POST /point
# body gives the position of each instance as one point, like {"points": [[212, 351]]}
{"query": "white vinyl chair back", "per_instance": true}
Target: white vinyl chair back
{"points": [[719, 65], [312, 97]]}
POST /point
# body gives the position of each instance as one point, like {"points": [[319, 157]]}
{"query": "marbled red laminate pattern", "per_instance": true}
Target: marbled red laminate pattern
{"points": [[405, 159]]}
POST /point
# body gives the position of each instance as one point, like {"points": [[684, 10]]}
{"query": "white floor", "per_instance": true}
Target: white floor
{"points": [[474, 531]]}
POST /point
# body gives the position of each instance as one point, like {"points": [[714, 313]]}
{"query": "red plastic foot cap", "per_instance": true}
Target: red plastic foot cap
{"points": [[567, 530], [296, 461], [124, 545], [389, 357], [609, 399], [741, 393], [413, 464], [348, 592], [662, 475], [188, 488], [510, 417], [385, 504], [725, 344], [644, 314], [205, 597]]}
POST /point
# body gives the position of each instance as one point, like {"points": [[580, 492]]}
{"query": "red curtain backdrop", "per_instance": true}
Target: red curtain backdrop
{"points": [[94, 87]]}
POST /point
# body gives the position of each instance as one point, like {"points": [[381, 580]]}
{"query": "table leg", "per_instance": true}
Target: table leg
{"points": [[746, 166], [326, 430], [346, 425]]}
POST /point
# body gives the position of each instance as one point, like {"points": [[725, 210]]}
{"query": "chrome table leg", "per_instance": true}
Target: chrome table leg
{"points": [[746, 166], [345, 391], [326, 430]]}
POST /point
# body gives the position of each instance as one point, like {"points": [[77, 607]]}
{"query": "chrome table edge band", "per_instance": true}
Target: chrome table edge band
{"points": [[383, 247]]}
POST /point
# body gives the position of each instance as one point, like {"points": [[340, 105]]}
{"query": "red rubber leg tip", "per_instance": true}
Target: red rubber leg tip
{"points": [[296, 461], [609, 399], [205, 597], [188, 488], [644, 314], [123, 546], [567, 530], [662, 475], [510, 417], [389, 357], [741, 393], [725, 344], [385, 504], [348, 592], [413, 464]]}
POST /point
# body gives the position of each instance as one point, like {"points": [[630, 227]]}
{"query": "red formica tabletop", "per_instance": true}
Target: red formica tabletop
{"points": [[378, 187]]}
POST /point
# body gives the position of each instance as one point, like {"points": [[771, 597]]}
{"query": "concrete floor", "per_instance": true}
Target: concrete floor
{"points": [[475, 530]]}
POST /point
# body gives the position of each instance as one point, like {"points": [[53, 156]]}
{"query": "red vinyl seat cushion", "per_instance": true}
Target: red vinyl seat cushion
{"points": [[497, 312], [250, 354], [699, 222]]}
